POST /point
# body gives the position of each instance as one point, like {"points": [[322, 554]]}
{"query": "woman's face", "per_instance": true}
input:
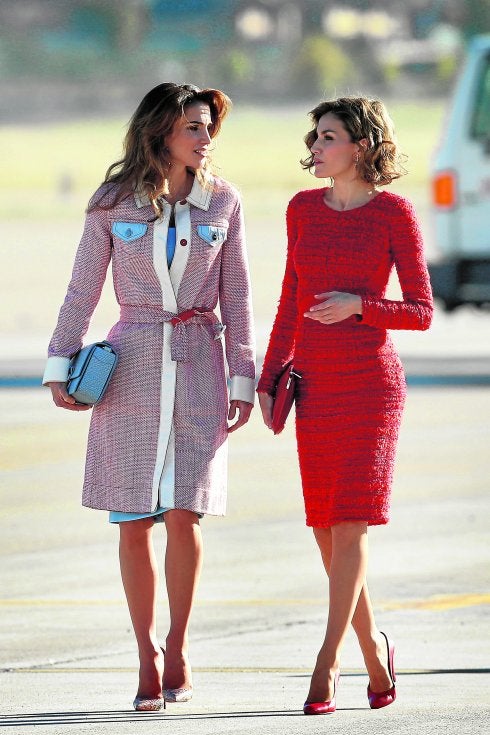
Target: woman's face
{"points": [[188, 143], [333, 150]]}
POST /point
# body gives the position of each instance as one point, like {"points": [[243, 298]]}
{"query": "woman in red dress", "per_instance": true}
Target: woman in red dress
{"points": [[343, 241]]}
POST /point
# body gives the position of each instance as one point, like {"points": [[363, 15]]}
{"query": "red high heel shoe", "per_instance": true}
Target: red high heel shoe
{"points": [[383, 699], [323, 708]]}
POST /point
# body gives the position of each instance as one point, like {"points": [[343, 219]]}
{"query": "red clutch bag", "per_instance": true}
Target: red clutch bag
{"points": [[284, 397]]}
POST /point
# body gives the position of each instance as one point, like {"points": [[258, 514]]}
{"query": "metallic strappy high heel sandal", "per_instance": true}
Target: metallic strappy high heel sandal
{"points": [[147, 704], [182, 694], [177, 695]]}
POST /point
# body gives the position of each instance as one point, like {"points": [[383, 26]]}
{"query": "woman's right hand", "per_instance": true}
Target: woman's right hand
{"points": [[63, 400], [266, 403]]}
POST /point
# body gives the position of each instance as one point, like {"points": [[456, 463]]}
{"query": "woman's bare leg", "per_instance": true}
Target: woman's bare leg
{"points": [[183, 563], [139, 574], [372, 643], [348, 565]]}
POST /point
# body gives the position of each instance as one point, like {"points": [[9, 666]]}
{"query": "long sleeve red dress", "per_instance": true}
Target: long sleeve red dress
{"points": [[351, 395]]}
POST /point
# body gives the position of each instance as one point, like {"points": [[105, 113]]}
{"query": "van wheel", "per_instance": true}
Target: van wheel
{"points": [[451, 305]]}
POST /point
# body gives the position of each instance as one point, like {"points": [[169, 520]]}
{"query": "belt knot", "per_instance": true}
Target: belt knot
{"points": [[179, 347]]}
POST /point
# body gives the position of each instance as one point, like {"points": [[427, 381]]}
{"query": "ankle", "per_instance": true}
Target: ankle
{"points": [[372, 645], [327, 661], [149, 654], [177, 642]]}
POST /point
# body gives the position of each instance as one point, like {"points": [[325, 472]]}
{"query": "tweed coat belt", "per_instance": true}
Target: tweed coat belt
{"points": [[179, 348]]}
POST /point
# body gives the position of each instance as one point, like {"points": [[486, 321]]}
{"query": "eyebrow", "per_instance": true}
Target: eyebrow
{"points": [[197, 122], [327, 131]]}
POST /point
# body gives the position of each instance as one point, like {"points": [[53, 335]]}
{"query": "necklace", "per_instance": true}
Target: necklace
{"points": [[353, 204]]}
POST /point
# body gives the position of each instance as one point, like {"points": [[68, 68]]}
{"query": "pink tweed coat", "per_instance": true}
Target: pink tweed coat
{"points": [[159, 435]]}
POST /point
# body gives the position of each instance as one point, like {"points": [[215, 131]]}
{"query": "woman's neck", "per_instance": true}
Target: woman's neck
{"points": [[179, 185], [349, 194]]}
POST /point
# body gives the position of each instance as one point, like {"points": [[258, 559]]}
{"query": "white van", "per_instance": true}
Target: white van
{"points": [[461, 188]]}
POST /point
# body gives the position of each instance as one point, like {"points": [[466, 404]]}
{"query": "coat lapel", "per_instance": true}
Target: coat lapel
{"points": [[160, 232], [183, 244], [171, 279]]}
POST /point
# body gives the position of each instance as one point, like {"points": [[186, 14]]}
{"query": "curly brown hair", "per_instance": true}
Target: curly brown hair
{"points": [[145, 164], [381, 162]]}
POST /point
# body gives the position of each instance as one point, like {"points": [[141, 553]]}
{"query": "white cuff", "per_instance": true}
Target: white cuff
{"points": [[242, 389], [56, 370]]}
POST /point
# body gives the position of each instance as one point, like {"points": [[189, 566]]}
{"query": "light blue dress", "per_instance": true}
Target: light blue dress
{"points": [[116, 516]]}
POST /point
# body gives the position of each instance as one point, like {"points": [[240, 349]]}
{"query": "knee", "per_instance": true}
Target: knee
{"points": [[181, 521], [323, 536], [134, 534], [349, 533]]}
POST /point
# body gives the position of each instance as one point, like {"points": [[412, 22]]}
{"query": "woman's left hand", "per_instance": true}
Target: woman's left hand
{"points": [[335, 307], [244, 411]]}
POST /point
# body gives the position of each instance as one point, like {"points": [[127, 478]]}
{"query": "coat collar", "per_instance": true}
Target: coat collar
{"points": [[200, 194]]}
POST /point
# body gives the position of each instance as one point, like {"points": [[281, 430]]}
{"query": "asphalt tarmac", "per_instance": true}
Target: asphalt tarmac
{"points": [[68, 659]]}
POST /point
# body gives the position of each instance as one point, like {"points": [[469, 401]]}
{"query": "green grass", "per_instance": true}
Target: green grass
{"points": [[258, 150]]}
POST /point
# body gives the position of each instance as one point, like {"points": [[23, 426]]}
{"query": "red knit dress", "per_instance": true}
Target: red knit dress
{"points": [[350, 399]]}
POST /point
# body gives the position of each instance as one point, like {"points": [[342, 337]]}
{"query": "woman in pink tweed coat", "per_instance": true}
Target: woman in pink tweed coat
{"points": [[157, 441]]}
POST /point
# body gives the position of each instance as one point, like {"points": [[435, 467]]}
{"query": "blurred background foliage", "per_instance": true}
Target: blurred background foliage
{"points": [[95, 56], [73, 71]]}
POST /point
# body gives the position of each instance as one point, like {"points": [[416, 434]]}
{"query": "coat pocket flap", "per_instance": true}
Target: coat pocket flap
{"points": [[129, 231], [212, 234]]}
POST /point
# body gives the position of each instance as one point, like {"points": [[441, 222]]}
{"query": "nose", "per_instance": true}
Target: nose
{"points": [[314, 148], [205, 137]]}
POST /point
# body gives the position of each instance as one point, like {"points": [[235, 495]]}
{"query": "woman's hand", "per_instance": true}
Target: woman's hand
{"points": [[336, 307], [244, 411], [266, 403], [63, 400]]}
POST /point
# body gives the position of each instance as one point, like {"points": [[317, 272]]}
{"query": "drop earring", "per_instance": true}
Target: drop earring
{"points": [[166, 154]]}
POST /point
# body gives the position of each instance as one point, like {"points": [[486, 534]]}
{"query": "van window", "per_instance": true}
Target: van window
{"points": [[481, 118]]}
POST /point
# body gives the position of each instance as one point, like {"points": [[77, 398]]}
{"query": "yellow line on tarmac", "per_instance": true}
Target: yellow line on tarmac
{"points": [[265, 602], [291, 670], [59, 603], [439, 602], [131, 669]]}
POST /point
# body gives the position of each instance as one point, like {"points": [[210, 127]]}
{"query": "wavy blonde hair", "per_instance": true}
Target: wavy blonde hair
{"points": [[381, 162], [145, 163]]}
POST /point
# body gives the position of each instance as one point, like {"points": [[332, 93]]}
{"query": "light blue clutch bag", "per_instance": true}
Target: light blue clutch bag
{"points": [[90, 371]]}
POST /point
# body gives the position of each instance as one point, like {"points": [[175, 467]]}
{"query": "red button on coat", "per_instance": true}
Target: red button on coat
{"points": [[183, 242]]}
